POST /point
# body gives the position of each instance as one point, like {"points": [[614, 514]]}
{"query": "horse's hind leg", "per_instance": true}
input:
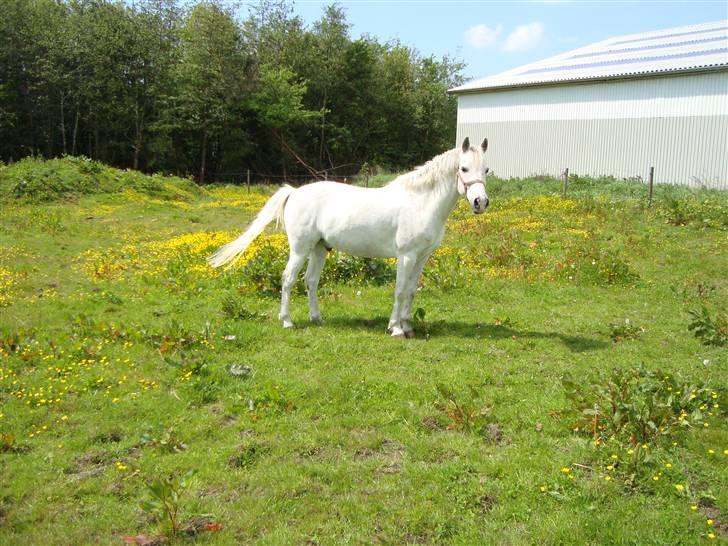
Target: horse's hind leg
{"points": [[316, 262], [295, 262]]}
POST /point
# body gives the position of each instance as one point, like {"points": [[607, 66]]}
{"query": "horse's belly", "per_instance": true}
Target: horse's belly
{"points": [[362, 242]]}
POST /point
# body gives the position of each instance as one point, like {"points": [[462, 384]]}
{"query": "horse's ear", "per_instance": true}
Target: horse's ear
{"points": [[484, 145], [466, 144]]}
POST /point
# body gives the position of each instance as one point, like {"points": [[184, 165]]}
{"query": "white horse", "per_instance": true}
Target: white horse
{"points": [[404, 219]]}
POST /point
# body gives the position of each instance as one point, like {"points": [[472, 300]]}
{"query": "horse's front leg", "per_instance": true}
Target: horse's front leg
{"points": [[405, 266], [406, 313]]}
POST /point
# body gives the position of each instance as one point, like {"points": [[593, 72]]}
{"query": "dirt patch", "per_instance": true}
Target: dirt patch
{"points": [[88, 465], [228, 420], [392, 454], [432, 424], [487, 502], [248, 455], [719, 527], [307, 453], [365, 453]]}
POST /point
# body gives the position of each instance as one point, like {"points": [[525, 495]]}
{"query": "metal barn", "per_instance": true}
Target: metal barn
{"points": [[616, 107]]}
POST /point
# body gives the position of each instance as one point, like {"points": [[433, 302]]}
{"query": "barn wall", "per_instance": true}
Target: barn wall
{"points": [[678, 124]]}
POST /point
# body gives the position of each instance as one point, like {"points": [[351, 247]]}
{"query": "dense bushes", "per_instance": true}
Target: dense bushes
{"points": [[39, 180]]}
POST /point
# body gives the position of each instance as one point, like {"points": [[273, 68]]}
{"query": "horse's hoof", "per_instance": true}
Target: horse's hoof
{"points": [[409, 334], [398, 332], [288, 325], [317, 321]]}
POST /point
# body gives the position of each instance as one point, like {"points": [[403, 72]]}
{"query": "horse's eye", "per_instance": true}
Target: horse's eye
{"points": [[464, 169]]}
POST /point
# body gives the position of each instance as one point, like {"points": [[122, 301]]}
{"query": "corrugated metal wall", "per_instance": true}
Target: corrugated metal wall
{"points": [[677, 124]]}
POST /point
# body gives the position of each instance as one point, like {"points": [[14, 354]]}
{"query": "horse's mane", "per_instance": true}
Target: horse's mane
{"points": [[427, 176]]}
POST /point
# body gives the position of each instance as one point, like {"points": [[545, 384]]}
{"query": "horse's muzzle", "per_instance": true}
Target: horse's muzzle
{"points": [[479, 205]]}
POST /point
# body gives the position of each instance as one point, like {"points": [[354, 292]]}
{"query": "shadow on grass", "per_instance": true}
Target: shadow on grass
{"points": [[476, 330]]}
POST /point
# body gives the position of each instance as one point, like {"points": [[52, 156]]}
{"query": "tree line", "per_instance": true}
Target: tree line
{"points": [[159, 85]]}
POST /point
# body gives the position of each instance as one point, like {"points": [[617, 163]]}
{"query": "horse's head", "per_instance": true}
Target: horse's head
{"points": [[471, 175]]}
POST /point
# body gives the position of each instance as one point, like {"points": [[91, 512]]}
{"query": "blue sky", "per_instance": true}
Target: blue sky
{"points": [[493, 36]]}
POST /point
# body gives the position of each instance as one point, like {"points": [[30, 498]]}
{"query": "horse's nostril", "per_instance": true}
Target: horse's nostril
{"points": [[476, 202], [487, 202]]}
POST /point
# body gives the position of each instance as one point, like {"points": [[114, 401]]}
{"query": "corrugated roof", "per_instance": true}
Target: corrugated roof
{"points": [[682, 49]]}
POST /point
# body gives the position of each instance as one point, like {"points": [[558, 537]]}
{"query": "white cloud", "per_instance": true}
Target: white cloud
{"points": [[481, 36], [524, 37]]}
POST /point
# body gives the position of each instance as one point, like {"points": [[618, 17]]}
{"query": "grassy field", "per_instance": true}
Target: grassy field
{"points": [[554, 394]]}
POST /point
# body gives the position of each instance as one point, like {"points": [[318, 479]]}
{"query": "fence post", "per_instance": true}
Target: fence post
{"points": [[566, 181], [650, 182], [248, 180], [326, 175]]}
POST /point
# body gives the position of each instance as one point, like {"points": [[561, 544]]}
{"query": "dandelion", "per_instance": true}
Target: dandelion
{"points": [[709, 522], [655, 478], [543, 488], [565, 470], [607, 478], [610, 467], [711, 536], [680, 488], [693, 507], [668, 465], [711, 451]]}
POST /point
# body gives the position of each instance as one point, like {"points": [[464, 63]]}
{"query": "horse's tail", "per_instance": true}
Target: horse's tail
{"points": [[272, 210]]}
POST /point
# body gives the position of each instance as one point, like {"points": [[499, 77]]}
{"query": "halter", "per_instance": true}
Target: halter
{"points": [[467, 185]]}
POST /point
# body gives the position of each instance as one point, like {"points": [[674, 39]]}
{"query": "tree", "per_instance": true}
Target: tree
{"points": [[278, 103], [152, 85], [210, 75]]}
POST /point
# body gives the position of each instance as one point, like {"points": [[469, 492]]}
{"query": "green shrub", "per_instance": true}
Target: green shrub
{"points": [[621, 331], [344, 269], [635, 406], [38, 180], [463, 411], [708, 329], [593, 263], [707, 212]]}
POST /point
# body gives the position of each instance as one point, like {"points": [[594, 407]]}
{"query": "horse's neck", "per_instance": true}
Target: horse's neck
{"points": [[433, 186], [443, 195], [442, 201]]}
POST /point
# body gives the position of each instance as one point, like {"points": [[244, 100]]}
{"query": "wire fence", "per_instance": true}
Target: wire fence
{"points": [[253, 177]]}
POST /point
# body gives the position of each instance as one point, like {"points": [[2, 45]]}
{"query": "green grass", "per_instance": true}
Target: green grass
{"points": [[123, 359]]}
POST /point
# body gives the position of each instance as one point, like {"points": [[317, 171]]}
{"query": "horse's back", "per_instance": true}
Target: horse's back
{"points": [[361, 221]]}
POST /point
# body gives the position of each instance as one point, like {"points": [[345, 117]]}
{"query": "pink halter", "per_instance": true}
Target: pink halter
{"points": [[467, 185]]}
